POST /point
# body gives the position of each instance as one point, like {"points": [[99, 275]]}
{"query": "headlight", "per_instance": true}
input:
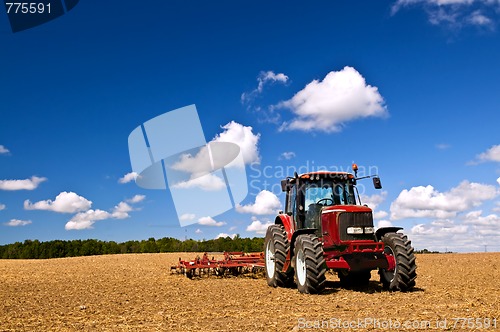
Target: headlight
{"points": [[369, 230], [354, 230]]}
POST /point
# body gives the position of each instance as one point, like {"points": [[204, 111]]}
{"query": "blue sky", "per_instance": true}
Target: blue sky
{"points": [[406, 88]]}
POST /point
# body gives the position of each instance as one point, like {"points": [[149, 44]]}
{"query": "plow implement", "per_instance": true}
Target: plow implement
{"points": [[233, 264]]}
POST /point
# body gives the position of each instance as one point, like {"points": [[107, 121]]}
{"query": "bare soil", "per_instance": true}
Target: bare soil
{"points": [[137, 292]]}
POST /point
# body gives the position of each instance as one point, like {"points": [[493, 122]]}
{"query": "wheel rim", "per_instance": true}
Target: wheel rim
{"points": [[300, 266], [270, 264], [389, 275]]}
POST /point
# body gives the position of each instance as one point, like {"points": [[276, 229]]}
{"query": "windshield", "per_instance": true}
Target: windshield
{"points": [[329, 193]]}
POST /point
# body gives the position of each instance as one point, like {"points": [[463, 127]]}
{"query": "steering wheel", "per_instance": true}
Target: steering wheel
{"points": [[325, 199]]}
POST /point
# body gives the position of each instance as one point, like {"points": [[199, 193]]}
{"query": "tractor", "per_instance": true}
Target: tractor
{"points": [[326, 227]]}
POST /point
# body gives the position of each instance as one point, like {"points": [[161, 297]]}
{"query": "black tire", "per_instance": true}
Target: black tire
{"points": [[276, 248], [310, 266], [355, 279], [404, 275]]}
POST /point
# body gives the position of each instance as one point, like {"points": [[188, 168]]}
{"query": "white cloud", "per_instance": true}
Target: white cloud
{"points": [[209, 221], [17, 222], [438, 231], [420, 229], [264, 78], [198, 231], [492, 154], [198, 165], [443, 146], [373, 202], [3, 150], [443, 223], [472, 232], [265, 203], [27, 184], [121, 211], [454, 13], [404, 3], [384, 223], [129, 177], [498, 180], [224, 235], [270, 76], [442, 235], [187, 216], [477, 18], [232, 228], [85, 220], [65, 202], [427, 202], [380, 214], [2, 206], [476, 218], [287, 155], [258, 227], [326, 105], [207, 182], [244, 137], [136, 199]]}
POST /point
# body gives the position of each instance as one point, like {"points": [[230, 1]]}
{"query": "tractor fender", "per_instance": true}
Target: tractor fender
{"points": [[384, 230], [296, 234], [286, 221]]}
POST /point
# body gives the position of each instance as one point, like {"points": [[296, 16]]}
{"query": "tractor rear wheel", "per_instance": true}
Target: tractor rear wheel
{"points": [[404, 275], [310, 266], [275, 251]]}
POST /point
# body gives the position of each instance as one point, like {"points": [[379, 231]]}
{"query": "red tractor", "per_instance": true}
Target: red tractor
{"points": [[325, 226]]}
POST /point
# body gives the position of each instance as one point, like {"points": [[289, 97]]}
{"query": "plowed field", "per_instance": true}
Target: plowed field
{"points": [[138, 293]]}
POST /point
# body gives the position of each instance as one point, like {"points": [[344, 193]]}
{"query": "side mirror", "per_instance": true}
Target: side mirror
{"points": [[376, 183]]}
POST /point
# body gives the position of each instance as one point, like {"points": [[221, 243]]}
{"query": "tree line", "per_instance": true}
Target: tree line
{"points": [[425, 251], [34, 249]]}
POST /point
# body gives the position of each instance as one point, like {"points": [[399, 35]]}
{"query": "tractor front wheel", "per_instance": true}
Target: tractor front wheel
{"points": [[404, 274], [310, 266], [275, 250]]}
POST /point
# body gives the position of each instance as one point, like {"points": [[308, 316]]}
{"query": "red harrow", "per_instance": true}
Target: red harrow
{"points": [[234, 263]]}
